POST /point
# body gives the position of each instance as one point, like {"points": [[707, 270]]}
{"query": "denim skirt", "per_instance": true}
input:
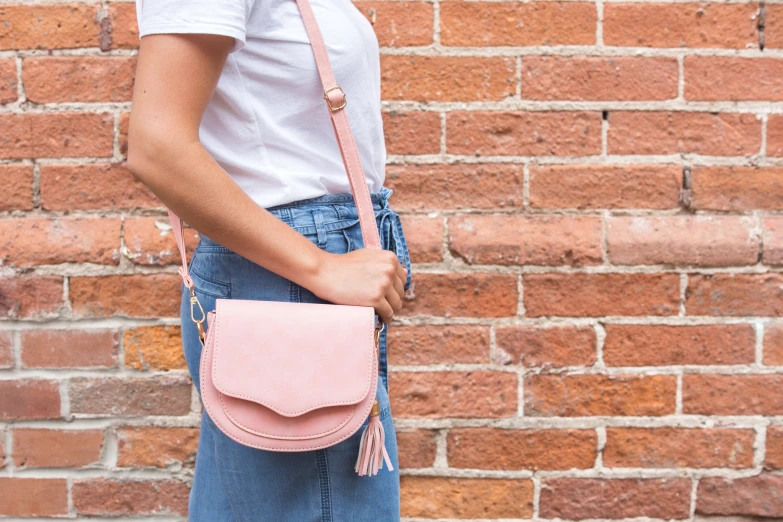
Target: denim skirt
{"points": [[233, 482]]}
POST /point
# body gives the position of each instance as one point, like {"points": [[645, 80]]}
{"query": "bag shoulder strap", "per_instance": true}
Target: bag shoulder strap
{"points": [[335, 101]]}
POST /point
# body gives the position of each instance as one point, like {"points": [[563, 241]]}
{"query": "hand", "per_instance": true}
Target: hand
{"points": [[364, 277]]}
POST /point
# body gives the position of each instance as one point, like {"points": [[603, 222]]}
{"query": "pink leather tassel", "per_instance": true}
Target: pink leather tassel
{"points": [[372, 448]]}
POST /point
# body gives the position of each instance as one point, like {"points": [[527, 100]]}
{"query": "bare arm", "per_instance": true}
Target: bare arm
{"points": [[175, 78]]}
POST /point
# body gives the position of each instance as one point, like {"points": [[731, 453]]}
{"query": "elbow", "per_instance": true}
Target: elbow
{"points": [[141, 155]]}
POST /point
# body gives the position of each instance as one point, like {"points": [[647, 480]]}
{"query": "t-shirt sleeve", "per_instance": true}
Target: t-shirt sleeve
{"points": [[224, 17]]}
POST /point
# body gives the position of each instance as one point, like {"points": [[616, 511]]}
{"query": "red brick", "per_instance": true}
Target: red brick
{"points": [[7, 352], [710, 241], [446, 78], [556, 395], [28, 297], [490, 133], [150, 241], [51, 241], [714, 78], [556, 346], [93, 186], [457, 186], [411, 132], [8, 81], [80, 78], [735, 294], [463, 295], [44, 448], [130, 396], [29, 399], [424, 238], [605, 186], [469, 24], [678, 448], [652, 132], [2, 448], [759, 496], [662, 345], [773, 344], [438, 344], [124, 28], [595, 295], [681, 25], [737, 188], [775, 135], [69, 348], [54, 135], [502, 449], [773, 240], [124, 127], [581, 498], [400, 24], [33, 497], [450, 497], [514, 239], [17, 187], [453, 394], [773, 31], [156, 447], [154, 348], [598, 78], [154, 295], [745, 394], [50, 26], [416, 448], [773, 458], [130, 497]]}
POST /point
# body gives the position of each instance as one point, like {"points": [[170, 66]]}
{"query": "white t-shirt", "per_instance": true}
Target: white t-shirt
{"points": [[268, 124]]}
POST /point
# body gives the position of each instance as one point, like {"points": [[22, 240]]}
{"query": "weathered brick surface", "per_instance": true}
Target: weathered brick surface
{"points": [[737, 188], [52, 348], [134, 396], [33, 497], [133, 295], [18, 187], [55, 135], [774, 454], [416, 448], [400, 24], [130, 497], [760, 496], [153, 348], [7, 350], [552, 346], [44, 448], [735, 294], [104, 79], [29, 399], [438, 344], [156, 447], [468, 295], [749, 394], [446, 497]]}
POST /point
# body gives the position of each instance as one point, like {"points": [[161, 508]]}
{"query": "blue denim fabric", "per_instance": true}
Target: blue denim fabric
{"points": [[237, 483]]}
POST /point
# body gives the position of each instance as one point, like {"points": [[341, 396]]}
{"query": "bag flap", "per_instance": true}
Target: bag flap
{"points": [[293, 357]]}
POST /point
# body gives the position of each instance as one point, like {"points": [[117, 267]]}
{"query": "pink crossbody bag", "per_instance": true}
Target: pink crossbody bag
{"points": [[282, 376]]}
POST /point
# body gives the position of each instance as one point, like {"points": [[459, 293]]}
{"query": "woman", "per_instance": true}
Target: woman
{"points": [[230, 129]]}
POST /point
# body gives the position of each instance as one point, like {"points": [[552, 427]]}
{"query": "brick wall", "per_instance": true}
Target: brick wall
{"points": [[592, 196]]}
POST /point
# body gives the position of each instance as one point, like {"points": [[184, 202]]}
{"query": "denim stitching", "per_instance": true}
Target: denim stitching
{"points": [[326, 493]]}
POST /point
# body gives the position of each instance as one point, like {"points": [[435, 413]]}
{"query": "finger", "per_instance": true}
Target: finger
{"points": [[399, 286], [402, 272], [394, 299], [385, 311]]}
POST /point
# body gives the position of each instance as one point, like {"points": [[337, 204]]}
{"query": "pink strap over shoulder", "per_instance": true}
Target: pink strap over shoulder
{"points": [[335, 102]]}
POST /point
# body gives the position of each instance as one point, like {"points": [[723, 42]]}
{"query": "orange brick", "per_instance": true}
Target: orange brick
{"points": [[33, 497], [737, 188], [130, 396], [411, 132], [713, 78], [773, 344], [710, 241], [595, 295], [526, 240], [446, 78], [80, 78], [678, 448], [124, 28], [735, 294], [150, 241], [745, 394], [93, 186], [156, 447], [69, 348], [517, 23], [139, 295], [49, 26], [648, 132], [400, 24], [453, 394], [556, 346], [694, 24], [130, 497], [773, 240], [438, 344], [759, 496], [773, 31], [29, 399], [579, 498], [502, 449], [52, 241], [55, 135], [154, 348], [523, 133], [662, 345], [773, 456], [594, 78], [8, 81], [556, 395], [605, 186], [463, 295], [44, 448], [416, 448], [28, 297], [424, 238], [458, 186], [17, 187], [450, 497]]}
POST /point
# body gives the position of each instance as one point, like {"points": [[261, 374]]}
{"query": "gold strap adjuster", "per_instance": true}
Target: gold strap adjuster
{"points": [[329, 101]]}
